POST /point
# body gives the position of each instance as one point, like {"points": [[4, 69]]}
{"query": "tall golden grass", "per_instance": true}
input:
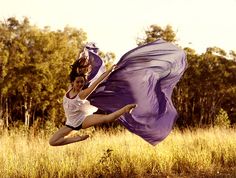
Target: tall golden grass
{"points": [[197, 153]]}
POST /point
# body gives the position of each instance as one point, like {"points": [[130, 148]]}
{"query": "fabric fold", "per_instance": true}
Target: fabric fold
{"points": [[146, 76]]}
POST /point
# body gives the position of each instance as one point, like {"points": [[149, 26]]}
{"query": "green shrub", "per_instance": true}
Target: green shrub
{"points": [[222, 119]]}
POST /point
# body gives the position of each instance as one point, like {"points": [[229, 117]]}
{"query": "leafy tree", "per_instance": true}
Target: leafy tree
{"points": [[208, 84], [34, 69], [108, 58], [35, 63], [155, 32]]}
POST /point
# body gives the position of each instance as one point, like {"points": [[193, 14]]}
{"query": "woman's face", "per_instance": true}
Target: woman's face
{"points": [[78, 83]]}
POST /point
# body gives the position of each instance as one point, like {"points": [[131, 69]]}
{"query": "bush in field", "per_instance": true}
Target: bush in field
{"points": [[222, 119]]}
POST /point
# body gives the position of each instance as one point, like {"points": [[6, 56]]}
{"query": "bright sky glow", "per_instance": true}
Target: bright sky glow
{"points": [[114, 25]]}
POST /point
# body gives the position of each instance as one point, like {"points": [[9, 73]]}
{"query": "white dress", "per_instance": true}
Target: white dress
{"points": [[76, 110]]}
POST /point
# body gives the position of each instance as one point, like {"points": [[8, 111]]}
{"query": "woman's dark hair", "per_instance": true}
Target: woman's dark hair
{"points": [[79, 63], [74, 74]]}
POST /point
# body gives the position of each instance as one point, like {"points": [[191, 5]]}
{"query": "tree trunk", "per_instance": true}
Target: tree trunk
{"points": [[26, 113], [1, 107], [33, 114], [1, 113], [28, 106], [7, 114]]}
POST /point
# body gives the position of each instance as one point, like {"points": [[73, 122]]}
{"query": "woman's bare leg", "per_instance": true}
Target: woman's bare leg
{"points": [[59, 138], [96, 119]]}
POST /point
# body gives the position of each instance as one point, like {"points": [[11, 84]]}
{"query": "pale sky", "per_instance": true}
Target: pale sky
{"points": [[114, 25]]}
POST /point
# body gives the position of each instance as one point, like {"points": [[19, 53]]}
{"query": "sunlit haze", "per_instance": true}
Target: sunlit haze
{"points": [[114, 25]]}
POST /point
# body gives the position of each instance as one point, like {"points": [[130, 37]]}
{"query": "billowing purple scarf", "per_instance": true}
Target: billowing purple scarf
{"points": [[147, 76]]}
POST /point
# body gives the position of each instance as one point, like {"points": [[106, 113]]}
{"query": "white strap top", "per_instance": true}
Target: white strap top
{"points": [[76, 110]]}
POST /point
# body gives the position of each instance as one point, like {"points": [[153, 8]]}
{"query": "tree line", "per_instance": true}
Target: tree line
{"points": [[34, 67]]}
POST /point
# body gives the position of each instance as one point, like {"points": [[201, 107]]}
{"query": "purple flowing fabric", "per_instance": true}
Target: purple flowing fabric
{"points": [[96, 62], [146, 76]]}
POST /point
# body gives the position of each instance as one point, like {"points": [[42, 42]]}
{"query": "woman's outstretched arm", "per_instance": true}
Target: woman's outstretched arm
{"points": [[86, 92]]}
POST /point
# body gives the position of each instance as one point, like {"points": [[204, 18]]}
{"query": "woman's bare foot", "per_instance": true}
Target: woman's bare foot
{"points": [[129, 107]]}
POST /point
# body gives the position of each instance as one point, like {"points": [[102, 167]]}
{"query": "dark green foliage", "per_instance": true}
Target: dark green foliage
{"points": [[35, 63], [208, 84]]}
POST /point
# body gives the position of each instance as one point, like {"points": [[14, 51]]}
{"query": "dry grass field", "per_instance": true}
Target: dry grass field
{"points": [[119, 153]]}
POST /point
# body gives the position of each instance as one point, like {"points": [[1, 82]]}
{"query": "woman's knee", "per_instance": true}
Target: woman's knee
{"points": [[52, 142]]}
